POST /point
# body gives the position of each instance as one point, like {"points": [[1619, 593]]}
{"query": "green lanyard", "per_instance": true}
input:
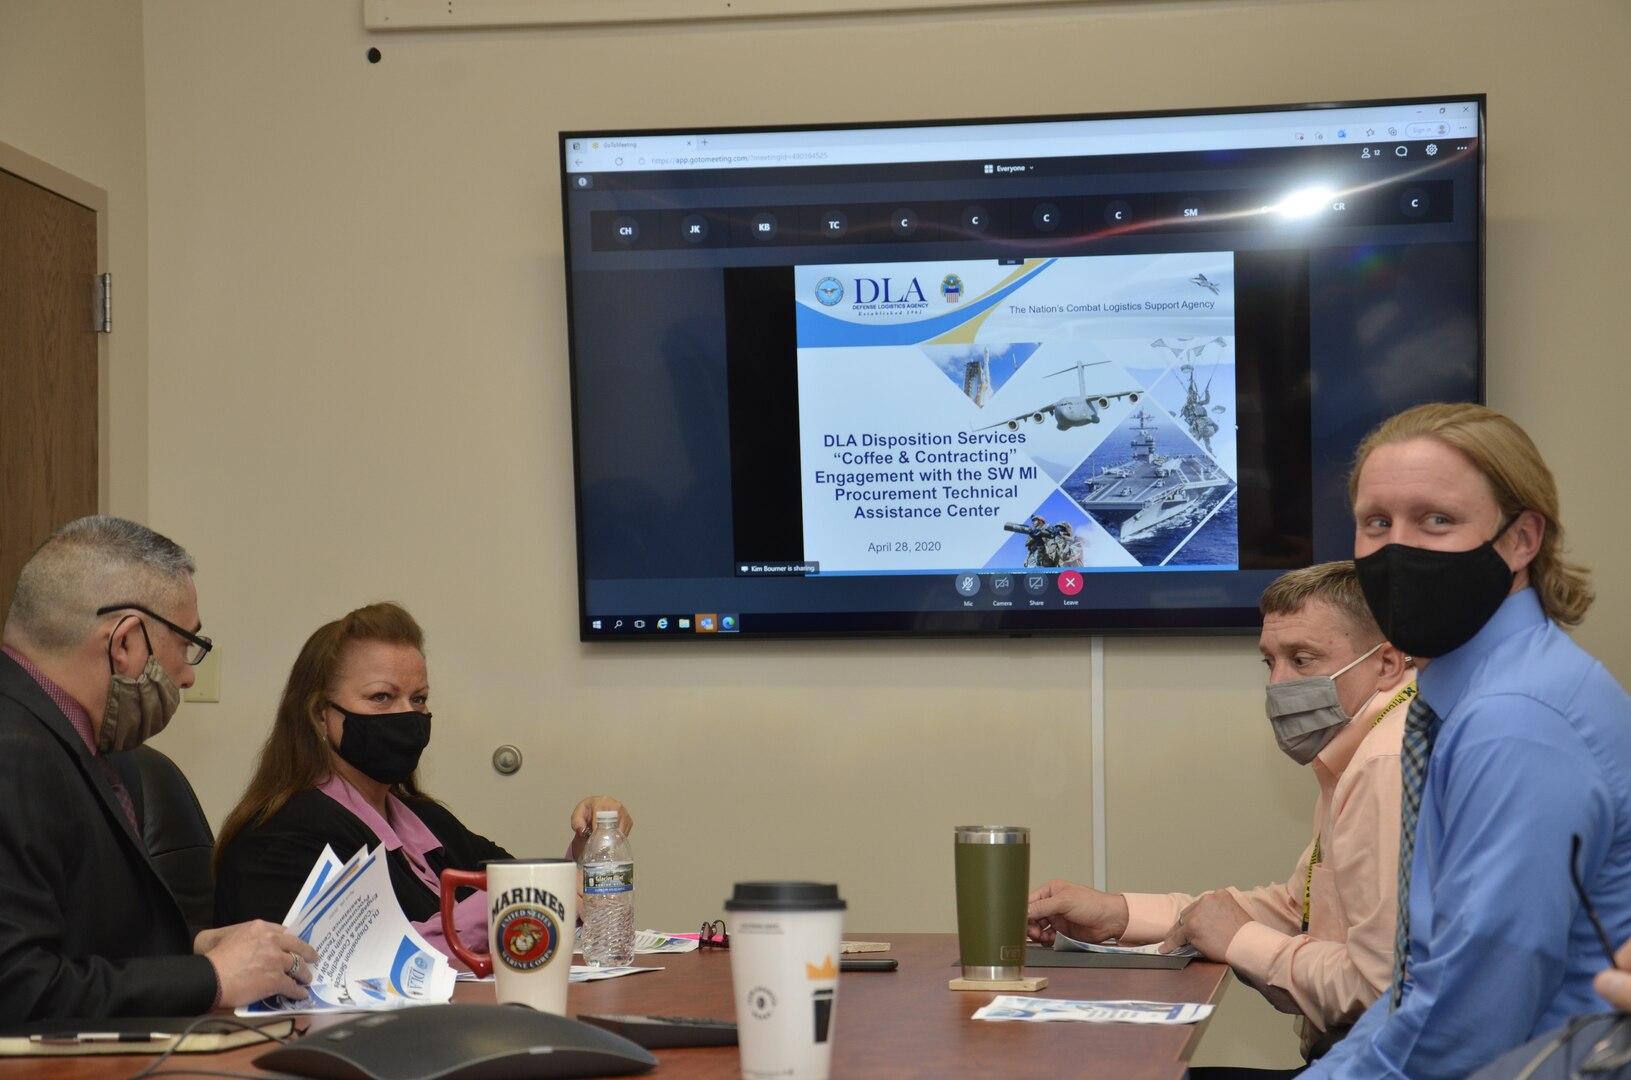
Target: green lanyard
{"points": [[1404, 695]]}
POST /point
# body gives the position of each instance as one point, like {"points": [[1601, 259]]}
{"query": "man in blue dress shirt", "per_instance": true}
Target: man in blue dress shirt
{"points": [[1525, 743]]}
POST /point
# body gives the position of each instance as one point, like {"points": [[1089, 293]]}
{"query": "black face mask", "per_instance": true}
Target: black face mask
{"points": [[384, 746], [1429, 603]]}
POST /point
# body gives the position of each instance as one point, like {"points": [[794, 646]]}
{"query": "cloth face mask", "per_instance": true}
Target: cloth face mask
{"points": [[1429, 603], [137, 709], [384, 746], [1307, 713]]}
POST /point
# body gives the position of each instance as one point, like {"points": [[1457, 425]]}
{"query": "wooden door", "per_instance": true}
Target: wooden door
{"points": [[48, 370]]}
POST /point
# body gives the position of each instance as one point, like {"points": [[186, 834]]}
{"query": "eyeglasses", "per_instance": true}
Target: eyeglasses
{"points": [[1585, 901], [1613, 1050], [713, 936], [198, 646]]}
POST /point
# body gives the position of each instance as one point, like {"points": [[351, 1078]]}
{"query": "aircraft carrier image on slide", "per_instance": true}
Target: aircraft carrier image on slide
{"points": [[1149, 491]]}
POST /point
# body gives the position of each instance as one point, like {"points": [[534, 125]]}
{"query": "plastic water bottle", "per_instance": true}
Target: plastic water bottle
{"points": [[608, 894]]}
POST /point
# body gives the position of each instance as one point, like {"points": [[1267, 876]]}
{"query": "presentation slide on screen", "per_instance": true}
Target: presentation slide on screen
{"points": [[1060, 412]]}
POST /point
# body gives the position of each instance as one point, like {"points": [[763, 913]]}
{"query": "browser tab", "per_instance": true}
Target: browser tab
{"points": [[1022, 145]]}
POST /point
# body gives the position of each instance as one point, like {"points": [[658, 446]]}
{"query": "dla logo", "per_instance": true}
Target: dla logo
{"points": [[887, 291], [829, 291]]}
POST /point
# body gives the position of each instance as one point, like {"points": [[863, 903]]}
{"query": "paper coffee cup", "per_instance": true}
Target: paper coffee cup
{"points": [[785, 939]]}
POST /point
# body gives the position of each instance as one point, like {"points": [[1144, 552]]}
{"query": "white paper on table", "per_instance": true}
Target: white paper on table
{"points": [[651, 941], [369, 955], [1064, 943], [1041, 1010], [588, 973], [577, 973]]}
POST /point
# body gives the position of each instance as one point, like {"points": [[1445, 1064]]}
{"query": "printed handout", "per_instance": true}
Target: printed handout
{"points": [[369, 956], [1065, 943], [1042, 1010]]}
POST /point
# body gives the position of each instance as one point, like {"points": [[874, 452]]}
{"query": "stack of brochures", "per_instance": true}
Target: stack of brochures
{"points": [[369, 955]]}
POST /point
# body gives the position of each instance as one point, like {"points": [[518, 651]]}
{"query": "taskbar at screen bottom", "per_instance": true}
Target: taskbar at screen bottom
{"points": [[966, 623]]}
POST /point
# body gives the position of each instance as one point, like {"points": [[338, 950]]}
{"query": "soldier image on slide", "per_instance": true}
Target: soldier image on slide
{"points": [[1049, 545]]}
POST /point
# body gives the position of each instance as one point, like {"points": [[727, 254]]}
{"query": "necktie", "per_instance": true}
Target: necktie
{"points": [[1416, 749], [120, 792]]}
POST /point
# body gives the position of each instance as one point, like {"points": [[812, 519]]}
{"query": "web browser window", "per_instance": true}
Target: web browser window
{"points": [[993, 377]]}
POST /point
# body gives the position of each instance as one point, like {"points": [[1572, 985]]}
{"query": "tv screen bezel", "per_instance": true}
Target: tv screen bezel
{"points": [[955, 624]]}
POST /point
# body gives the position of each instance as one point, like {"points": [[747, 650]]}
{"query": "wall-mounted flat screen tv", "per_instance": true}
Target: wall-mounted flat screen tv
{"points": [[1002, 376]]}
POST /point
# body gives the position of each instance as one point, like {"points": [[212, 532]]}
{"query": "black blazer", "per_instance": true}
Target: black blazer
{"points": [[87, 926], [263, 867]]}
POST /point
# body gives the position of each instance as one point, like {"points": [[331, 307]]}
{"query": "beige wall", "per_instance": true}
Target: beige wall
{"points": [[358, 386], [71, 95]]}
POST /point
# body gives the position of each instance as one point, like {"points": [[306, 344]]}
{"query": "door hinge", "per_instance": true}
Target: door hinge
{"points": [[102, 304]]}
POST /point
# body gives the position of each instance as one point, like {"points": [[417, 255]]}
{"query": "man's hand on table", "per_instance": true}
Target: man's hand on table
{"points": [[1209, 924], [257, 959], [1075, 911]]}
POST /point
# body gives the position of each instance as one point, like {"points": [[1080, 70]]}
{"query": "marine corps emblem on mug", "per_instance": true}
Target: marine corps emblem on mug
{"points": [[531, 904], [527, 938]]}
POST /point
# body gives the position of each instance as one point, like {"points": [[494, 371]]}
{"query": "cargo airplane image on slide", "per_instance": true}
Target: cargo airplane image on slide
{"points": [[1070, 412]]}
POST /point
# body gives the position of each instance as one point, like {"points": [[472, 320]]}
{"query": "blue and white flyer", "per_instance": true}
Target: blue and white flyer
{"points": [[999, 415], [369, 956], [1043, 1010]]}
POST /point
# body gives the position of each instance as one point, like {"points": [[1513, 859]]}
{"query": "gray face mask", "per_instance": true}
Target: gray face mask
{"points": [[138, 708], [1307, 713]]}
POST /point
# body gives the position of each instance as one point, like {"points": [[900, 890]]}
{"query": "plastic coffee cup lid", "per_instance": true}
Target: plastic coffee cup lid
{"points": [[784, 896]]}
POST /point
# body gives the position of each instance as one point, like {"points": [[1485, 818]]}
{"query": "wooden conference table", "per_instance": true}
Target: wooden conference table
{"points": [[901, 1024]]}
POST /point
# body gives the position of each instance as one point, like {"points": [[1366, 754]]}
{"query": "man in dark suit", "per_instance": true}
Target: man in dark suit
{"points": [[101, 637]]}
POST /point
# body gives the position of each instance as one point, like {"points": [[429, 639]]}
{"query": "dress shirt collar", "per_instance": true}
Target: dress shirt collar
{"points": [[73, 710], [400, 827], [1447, 678], [350, 798], [1331, 762]]}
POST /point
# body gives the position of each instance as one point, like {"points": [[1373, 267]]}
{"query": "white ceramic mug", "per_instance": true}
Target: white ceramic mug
{"points": [[532, 914]]}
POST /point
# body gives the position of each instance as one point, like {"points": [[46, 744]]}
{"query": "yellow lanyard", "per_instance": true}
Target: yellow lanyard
{"points": [[1404, 695]]}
